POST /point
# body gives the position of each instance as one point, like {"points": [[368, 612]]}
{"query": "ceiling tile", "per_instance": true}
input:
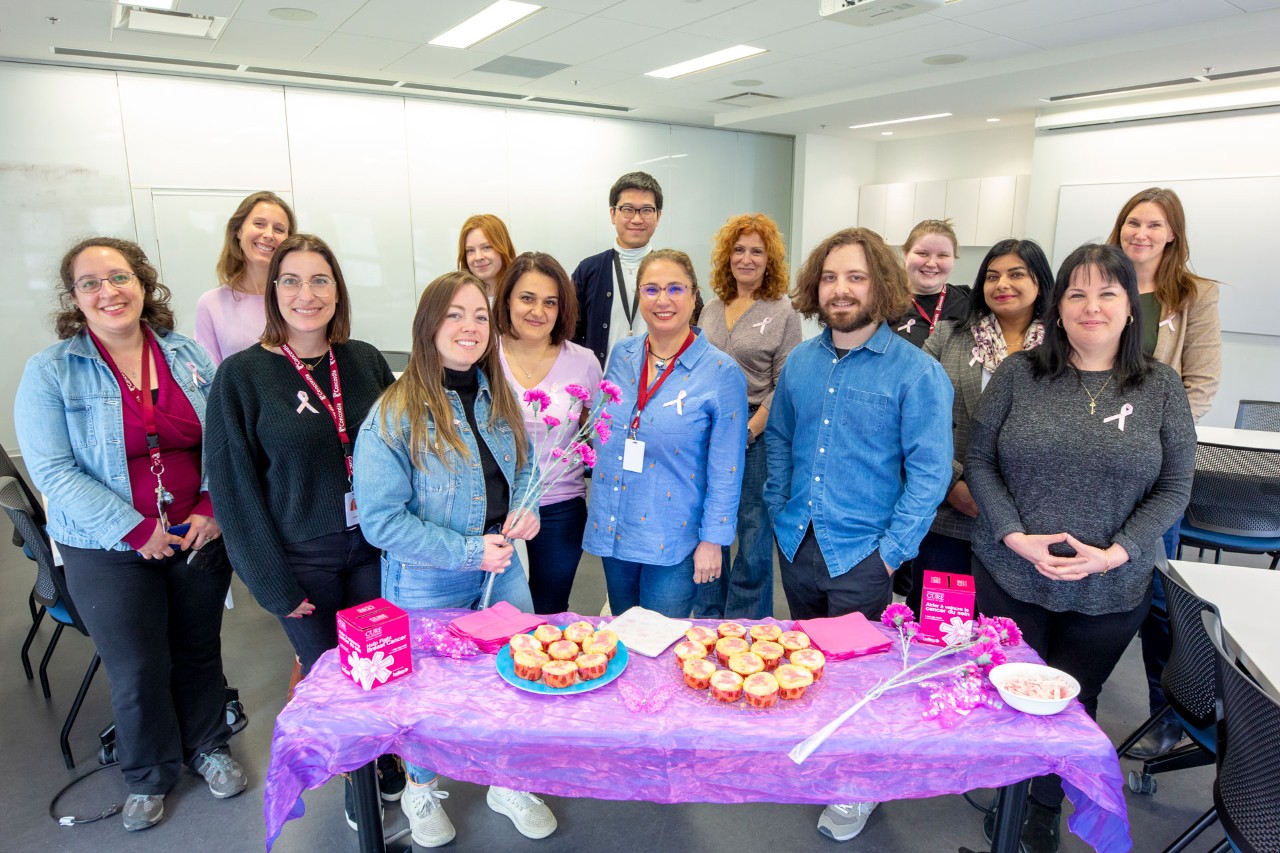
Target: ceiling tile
{"points": [[163, 45], [673, 14], [827, 35], [540, 25], [585, 40], [77, 20], [251, 39], [410, 20], [585, 7], [658, 52], [758, 20], [330, 14], [369, 55], [932, 38], [575, 81], [1030, 14], [431, 63], [1124, 22]]}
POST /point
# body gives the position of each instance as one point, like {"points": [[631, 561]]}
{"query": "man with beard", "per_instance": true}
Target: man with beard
{"points": [[859, 443]]}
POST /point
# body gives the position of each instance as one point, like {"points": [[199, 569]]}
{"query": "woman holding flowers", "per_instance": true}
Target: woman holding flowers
{"points": [[1081, 456], [751, 321], [439, 462], [664, 496], [535, 313]]}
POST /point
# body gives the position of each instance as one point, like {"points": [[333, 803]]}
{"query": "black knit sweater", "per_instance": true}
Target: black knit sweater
{"points": [[276, 469]]}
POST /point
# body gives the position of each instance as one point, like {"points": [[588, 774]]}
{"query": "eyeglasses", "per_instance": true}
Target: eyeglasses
{"points": [[119, 281], [629, 212], [673, 291], [293, 284]]}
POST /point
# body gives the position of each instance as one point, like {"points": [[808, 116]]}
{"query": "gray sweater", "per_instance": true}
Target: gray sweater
{"points": [[1040, 463]]}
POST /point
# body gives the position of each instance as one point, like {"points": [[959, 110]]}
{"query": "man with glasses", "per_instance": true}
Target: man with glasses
{"points": [[608, 305]]}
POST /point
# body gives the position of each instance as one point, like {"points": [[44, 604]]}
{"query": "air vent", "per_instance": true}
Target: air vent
{"points": [[453, 90], [747, 99], [587, 104], [129, 57], [514, 66], [316, 75], [1165, 84]]}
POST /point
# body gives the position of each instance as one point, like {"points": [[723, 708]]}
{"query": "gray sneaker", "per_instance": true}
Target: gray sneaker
{"points": [[143, 811], [223, 773], [845, 821]]}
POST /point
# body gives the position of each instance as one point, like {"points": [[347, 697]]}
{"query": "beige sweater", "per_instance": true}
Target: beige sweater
{"points": [[1191, 343]]}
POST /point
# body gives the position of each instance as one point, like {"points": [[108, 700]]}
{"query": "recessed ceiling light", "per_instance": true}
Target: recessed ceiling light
{"points": [[748, 82], [945, 59], [993, 119], [897, 121], [886, 133], [285, 13], [711, 60], [487, 22]]}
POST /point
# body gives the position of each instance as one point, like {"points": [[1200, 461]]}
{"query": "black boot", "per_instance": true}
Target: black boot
{"points": [[1163, 737], [1042, 832]]}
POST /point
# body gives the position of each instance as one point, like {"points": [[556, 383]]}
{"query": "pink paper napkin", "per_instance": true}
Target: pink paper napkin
{"points": [[844, 637], [491, 629]]}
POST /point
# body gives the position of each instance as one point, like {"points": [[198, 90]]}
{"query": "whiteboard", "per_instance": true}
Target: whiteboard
{"points": [[1224, 219]]}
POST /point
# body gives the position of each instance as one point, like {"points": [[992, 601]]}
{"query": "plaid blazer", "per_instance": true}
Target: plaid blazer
{"points": [[952, 344]]}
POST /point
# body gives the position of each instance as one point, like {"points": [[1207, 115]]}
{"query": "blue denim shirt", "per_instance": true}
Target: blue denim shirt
{"points": [[433, 520], [860, 446], [70, 426], [695, 435]]}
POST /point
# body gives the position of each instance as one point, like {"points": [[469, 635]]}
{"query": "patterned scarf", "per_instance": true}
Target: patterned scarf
{"points": [[989, 346]]}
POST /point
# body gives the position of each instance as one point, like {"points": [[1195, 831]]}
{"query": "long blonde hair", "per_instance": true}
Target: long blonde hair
{"points": [[419, 395]]}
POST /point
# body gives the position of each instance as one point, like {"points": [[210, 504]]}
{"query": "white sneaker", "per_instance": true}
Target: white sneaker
{"points": [[530, 815], [844, 821], [429, 824]]}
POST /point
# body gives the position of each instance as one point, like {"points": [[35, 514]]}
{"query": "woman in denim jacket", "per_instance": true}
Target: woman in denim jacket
{"points": [[438, 501], [110, 420]]}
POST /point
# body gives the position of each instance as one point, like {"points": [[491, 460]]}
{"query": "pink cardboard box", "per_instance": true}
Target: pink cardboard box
{"points": [[373, 643], [947, 600]]}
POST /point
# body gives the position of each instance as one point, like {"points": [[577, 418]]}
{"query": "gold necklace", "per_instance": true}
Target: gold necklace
{"points": [[527, 375], [1093, 398]]}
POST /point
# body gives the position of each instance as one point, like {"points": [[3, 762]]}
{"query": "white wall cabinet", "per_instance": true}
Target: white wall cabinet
{"points": [[982, 210]]}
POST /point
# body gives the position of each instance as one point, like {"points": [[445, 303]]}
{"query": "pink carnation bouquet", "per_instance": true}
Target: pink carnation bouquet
{"points": [[955, 688]]}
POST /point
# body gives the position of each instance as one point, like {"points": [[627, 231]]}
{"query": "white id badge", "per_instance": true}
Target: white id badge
{"points": [[349, 507], [633, 455]]}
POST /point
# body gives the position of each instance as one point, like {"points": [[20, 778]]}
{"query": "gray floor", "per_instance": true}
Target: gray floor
{"points": [[258, 662]]}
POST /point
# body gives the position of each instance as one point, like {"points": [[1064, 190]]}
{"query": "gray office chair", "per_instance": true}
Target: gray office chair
{"points": [[1258, 414], [1235, 502], [397, 360]]}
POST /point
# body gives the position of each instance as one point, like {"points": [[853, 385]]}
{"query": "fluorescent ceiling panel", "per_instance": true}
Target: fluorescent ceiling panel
{"points": [[897, 121], [711, 60], [488, 21]]}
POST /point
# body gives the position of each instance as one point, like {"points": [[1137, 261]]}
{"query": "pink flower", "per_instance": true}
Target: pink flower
{"points": [[551, 421], [897, 615], [605, 416], [1006, 629], [577, 391], [612, 391], [556, 453], [538, 398], [603, 430], [584, 453], [987, 653]]}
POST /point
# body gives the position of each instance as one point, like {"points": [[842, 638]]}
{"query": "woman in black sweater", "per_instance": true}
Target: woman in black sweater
{"points": [[1081, 456]]}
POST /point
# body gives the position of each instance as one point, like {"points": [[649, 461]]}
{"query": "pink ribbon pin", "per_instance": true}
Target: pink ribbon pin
{"points": [[766, 321], [1124, 412], [304, 402], [1168, 321], [977, 357], [906, 327]]}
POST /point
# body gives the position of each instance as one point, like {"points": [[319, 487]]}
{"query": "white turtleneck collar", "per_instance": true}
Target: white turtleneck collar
{"points": [[631, 258]]}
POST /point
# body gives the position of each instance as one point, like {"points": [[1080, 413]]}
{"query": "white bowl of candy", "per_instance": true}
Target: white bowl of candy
{"points": [[1034, 688]]}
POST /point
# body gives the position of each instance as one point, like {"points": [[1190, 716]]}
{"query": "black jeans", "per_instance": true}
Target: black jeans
{"points": [[157, 625], [336, 571], [1083, 646], [813, 594]]}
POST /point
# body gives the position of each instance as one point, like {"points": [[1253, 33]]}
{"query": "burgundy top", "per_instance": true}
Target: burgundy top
{"points": [[180, 436]]}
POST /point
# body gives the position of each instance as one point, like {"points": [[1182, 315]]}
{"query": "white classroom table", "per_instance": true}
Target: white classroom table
{"points": [[1248, 439], [1246, 599]]}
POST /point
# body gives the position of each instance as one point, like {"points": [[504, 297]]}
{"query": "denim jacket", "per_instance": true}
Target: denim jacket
{"points": [[71, 429], [434, 519], [859, 446]]}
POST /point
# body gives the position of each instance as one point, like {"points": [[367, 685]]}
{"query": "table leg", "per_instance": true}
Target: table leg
{"points": [[365, 782], [1011, 809]]}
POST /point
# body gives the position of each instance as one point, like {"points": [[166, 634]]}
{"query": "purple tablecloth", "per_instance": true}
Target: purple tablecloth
{"points": [[460, 718]]}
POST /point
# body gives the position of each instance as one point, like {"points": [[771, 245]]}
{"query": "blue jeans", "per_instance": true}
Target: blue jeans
{"points": [[669, 590], [1154, 634], [554, 554], [744, 589]]}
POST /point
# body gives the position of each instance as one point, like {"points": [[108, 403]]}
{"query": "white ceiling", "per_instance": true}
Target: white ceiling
{"points": [[826, 75]]}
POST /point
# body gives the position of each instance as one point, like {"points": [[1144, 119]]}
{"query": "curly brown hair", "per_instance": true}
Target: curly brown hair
{"points": [[69, 321], [776, 275], [890, 291]]}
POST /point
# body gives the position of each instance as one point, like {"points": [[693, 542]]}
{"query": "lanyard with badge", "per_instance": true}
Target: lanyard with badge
{"points": [[937, 311], [628, 308], [633, 448], [164, 497], [339, 415]]}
